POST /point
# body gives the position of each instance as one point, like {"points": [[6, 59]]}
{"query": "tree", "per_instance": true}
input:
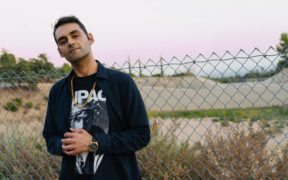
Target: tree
{"points": [[282, 48], [42, 66], [22, 69], [43, 57], [65, 69], [7, 59]]}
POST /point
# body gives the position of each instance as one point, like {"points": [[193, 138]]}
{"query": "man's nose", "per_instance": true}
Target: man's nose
{"points": [[71, 42]]}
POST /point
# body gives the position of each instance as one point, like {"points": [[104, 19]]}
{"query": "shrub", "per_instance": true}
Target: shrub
{"points": [[11, 106], [281, 167], [28, 105], [18, 101], [240, 155], [236, 154], [163, 158], [26, 158]]}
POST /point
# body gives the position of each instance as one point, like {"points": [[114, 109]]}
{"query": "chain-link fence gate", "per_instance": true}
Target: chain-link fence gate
{"points": [[211, 118]]}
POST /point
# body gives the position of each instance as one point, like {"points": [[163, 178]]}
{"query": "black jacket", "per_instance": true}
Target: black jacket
{"points": [[128, 125]]}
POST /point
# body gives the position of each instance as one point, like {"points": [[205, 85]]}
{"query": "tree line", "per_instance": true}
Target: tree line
{"points": [[282, 49], [22, 72]]}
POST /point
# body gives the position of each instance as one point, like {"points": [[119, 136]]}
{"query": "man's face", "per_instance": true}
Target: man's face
{"points": [[72, 42]]}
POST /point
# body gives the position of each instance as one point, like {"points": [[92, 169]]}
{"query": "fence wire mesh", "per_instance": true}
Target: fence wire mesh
{"points": [[215, 117]]}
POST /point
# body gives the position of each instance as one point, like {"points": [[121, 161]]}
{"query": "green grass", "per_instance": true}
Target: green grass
{"points": [[274, 118], [234, 115]]}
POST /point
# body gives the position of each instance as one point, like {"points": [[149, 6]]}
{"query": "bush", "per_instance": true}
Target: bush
{"points": [[18, 101], [26, 158], [11, 106], [239, 155], [232, 157], [163, 158], [281, 167], [28, 105]]}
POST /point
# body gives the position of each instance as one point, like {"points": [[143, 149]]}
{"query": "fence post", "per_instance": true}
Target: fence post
{"points": [[129, 66], [140, 70], [161, 68]]}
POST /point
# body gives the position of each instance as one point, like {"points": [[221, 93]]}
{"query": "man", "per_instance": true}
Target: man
{"points": [[96, 119]]}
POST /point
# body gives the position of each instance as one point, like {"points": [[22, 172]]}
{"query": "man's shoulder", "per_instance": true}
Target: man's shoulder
{"points": [[118, 75], [59, 84]]}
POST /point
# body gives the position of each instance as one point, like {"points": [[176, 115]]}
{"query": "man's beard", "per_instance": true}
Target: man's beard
{"points": [[78, 58]]}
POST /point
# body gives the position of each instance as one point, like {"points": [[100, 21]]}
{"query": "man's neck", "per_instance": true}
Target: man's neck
{"points": [[85, 68]]}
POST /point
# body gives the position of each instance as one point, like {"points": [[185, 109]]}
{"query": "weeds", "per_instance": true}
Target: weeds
{"points": [[26, 158], [16, 103], [165, 159], [240, 155]]}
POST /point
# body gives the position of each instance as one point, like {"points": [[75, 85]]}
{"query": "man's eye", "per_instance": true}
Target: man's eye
{"points": [[62, 42], [75, 36]]}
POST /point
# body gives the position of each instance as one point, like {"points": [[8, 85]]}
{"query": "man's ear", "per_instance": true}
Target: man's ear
{"points": [[90, 38], [60, 52]]}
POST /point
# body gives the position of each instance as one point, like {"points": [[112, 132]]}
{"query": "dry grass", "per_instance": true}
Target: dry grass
{"points": [[38, 97], [26, 158], [163, 159], [237, 156], [240, 155]]}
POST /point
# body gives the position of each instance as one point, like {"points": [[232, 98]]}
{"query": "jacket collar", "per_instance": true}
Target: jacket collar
{"points": [[102, 71]]}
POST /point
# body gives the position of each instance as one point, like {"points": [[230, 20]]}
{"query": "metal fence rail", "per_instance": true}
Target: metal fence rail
{"points": [[215, 117]]}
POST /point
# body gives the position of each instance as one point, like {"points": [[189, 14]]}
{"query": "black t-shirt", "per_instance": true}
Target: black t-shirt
{"points": [[92, 117]]}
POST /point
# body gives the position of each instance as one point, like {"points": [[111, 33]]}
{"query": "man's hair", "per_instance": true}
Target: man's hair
{"points": [[66, 20]]}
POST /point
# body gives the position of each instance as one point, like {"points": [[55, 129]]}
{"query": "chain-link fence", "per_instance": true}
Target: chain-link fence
{"points": [[216, 117]]}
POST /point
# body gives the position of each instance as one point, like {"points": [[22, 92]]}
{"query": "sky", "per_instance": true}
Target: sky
{"points": [[147, 29]]}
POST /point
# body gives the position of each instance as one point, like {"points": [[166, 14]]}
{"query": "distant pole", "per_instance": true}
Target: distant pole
{"points": [[140, 70], [129, 66], [161, 67]]}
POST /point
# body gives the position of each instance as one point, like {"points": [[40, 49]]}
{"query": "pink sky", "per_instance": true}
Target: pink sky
{"points": [[146, 29]]}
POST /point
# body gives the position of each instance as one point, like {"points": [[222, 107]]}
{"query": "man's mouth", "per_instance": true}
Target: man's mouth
{"points": [[73, 50]]}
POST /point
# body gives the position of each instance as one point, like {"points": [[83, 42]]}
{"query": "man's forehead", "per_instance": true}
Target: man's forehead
{"points": [[66, 29]]}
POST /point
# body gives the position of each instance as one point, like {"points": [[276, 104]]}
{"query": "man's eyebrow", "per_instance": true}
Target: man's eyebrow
{"points": [[74, 31], [70, 33]]}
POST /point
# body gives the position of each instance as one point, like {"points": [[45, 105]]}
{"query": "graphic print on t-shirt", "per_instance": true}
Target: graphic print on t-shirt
{"points": [[94, 119]]}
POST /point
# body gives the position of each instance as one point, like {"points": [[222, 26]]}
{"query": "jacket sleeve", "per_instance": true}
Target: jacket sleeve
{"points": [[137, 135], [51, 133]]}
